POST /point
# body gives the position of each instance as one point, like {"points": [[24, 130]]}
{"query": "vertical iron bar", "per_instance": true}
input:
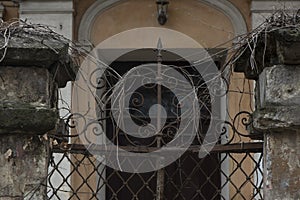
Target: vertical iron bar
{"points": [[160, 172]]}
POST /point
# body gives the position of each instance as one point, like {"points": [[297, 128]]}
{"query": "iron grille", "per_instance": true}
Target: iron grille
{"points": [[230, 172]]}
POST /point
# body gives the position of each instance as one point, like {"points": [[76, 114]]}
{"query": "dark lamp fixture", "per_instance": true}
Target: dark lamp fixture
{"points": [[162, 11]]}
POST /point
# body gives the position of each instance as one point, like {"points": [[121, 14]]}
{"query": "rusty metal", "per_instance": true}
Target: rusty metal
{"points": [[180, 180], [223, 174], [253, 147], [176, 182]]}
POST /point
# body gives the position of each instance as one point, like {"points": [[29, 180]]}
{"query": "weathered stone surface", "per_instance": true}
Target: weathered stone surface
{"points": [[277, 114], [277, 118], [278, 98], [23, 164], [27, 49], [64, 72], [27, 120], [287, 46], [21, 86], [32, 68], [28, 99], [282, 165], [279, 86]]}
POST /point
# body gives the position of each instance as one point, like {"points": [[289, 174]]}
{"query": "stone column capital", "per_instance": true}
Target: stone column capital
{"points": [[34, 65], [277, 74]]}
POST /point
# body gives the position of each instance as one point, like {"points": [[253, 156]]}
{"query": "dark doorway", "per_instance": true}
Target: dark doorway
{"points": [[184, 177]]}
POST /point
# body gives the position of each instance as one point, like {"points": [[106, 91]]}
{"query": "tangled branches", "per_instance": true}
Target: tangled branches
{"points": [[261, 38]]}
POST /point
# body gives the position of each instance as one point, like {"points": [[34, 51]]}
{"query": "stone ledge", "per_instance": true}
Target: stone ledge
{"points": [[27, 120], [277, 118], [27, 49]]}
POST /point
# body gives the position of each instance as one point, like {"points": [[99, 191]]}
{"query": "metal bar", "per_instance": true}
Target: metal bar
{"points": [[252, 147]]}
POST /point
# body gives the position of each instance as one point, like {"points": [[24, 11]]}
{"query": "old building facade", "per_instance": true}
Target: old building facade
{"points": [[214, 25]]}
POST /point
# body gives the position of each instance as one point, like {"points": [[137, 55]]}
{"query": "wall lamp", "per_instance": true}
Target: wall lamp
{"points": [[162, 11]]}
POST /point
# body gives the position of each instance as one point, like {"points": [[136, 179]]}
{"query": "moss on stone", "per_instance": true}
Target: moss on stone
{"points": [[27, 120]]}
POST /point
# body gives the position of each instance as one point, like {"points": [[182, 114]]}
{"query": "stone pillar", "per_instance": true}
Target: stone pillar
{"points": [[34, 67], [279, 118], [277, 113]]}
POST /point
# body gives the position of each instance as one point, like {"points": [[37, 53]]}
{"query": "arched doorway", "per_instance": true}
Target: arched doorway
{"points": [[111, 20]]}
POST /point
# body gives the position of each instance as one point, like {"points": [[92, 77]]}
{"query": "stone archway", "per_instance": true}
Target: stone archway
{"points": [[98, 8]]}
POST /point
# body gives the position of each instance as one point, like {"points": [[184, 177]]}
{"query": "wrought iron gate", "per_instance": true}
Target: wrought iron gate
{"points": [[231, 170]]}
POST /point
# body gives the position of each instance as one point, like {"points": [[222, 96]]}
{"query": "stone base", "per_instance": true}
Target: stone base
{"points": [[277, 118], [282, 166], [23, 167]]}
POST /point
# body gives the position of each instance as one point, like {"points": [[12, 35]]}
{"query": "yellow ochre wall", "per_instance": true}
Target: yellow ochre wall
{"points": [[206, 25]]}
